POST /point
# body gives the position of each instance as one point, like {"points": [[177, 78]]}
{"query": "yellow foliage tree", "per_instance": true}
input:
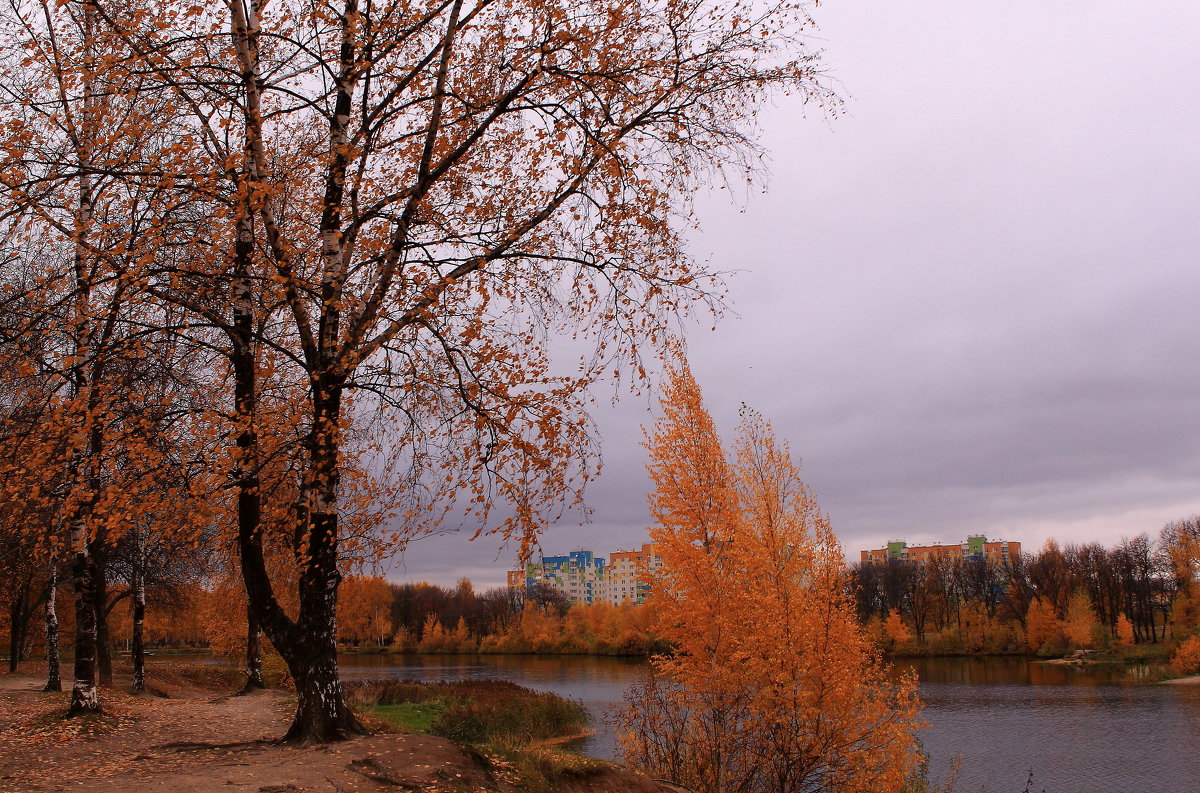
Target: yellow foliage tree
{"points": [[433, 636], [773, 685], [1124, 631], [1081, 621], [1041, 624], [460, 639], [1185, 612], [222, 608], [364, 609], [977, 627], [895, 629], [1181, 540], [403, 641]]}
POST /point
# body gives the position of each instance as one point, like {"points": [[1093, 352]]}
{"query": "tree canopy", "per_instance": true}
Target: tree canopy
{"points": [[362, 225]]}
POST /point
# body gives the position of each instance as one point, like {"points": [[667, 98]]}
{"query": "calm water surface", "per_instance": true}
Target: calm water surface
{"points": [[1079, 731]]}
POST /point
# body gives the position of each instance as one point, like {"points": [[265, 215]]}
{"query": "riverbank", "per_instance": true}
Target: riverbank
{"points": [[1139, 653], [193, 733], [1135, 654], [1152, 662]]}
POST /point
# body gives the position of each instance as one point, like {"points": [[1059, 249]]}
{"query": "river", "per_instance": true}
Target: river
{"points": [[1077, 730]]}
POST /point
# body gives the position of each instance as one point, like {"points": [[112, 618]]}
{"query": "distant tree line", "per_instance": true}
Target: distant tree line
{"points": [[189, 602], [1058, 597], [1148, 582], [411, 606]]}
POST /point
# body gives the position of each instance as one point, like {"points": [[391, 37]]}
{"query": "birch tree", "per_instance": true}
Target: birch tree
{"points": [[432, 193]]}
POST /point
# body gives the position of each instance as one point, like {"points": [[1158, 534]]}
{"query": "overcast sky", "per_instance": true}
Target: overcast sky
{"points": [[972, 302]]}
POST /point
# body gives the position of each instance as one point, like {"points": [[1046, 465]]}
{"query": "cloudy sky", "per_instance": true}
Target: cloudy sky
{"points": [[972, 302]]}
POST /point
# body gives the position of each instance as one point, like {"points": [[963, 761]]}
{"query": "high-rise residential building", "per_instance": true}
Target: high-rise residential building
{"points": [[628, 575], [975, 547], [579, 575], [586, 578]]}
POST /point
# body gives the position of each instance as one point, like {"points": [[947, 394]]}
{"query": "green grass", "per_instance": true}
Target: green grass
{"points": [[1143, 653], [410, 716], [477, 712]]}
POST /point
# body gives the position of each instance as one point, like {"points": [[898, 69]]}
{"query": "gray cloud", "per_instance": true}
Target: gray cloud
{"points": [[969, 302]]}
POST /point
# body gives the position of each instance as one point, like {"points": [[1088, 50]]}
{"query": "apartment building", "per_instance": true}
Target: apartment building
{"points": [[579, 575], [975, 547], [587, 578], [628, 574]]}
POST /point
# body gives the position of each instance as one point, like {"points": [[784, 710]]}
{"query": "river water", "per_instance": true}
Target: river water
{"points": [[1077, 730]]}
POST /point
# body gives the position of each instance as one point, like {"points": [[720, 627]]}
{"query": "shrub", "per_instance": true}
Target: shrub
{"points": [[947, 642], [1186, 660], [1124, 636], [508, 715]]}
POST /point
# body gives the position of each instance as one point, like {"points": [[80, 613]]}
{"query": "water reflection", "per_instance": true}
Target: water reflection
{"points": [[1078, 729], [1025, 672]]}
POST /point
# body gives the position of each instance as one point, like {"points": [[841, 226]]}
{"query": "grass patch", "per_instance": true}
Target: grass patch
{"points": [[1144, 653], [483, 713], [410, 716]]}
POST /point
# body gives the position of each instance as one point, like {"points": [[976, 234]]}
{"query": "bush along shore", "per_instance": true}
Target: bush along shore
{"points": [[516, 730]]}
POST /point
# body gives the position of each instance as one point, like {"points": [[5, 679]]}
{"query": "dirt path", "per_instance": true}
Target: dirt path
{"points": [[199, 743]]}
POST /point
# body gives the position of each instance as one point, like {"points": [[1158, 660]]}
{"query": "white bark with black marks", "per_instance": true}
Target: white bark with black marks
{"points": [[53, 672]]}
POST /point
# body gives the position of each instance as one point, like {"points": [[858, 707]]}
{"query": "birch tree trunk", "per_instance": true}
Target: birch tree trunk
{"points": [[245, 399], [254, 675], [308, 645], [99, 554], [321, 710], [53, 672], [85, 697]]}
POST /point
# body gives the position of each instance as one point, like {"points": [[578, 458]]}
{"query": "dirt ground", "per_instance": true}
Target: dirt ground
{"points": [[185, 739]]}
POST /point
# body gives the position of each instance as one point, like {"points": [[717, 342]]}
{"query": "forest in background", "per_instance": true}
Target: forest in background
{"points": [[1057, 599], [1141, 591]]}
